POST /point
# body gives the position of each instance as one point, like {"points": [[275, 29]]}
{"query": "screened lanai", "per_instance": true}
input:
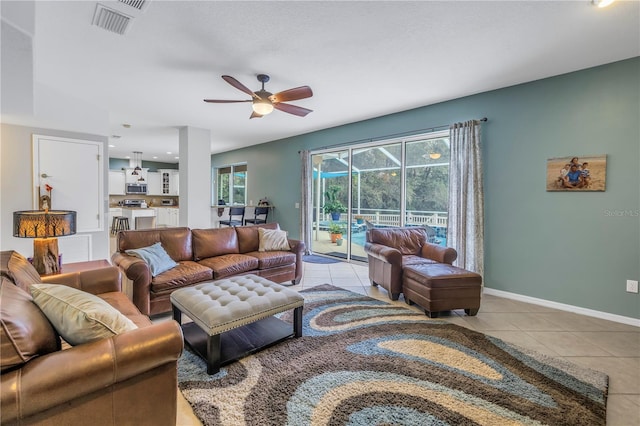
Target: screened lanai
{"points": [[401, 182]]}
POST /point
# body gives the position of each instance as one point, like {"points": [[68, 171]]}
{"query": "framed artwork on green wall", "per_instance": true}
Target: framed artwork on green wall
{"points": [[577, 173]]}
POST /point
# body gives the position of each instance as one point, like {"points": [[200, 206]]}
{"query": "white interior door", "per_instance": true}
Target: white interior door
{"points": [[73, 168]]}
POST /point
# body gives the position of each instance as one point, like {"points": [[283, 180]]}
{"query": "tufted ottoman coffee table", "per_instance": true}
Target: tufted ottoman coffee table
{"points": [[234, 317]]}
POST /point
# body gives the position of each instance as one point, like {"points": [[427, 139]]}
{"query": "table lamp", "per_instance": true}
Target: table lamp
{"points": [[45, 226]]}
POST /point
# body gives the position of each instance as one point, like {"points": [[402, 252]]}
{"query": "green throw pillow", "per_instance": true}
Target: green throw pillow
{"points": [[156, 257], [79, 317]]}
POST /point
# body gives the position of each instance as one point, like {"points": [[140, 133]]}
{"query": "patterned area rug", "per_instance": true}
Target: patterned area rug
{"points": [[366, 362]]}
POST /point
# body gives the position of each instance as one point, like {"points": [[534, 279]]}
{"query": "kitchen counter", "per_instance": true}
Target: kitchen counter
{"points": [[140, 218]]}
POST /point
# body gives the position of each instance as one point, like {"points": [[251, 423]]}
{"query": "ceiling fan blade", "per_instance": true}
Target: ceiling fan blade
{"points": [[255, 115], [235, 83], [292, 109], [301, 92], [222, 101]]}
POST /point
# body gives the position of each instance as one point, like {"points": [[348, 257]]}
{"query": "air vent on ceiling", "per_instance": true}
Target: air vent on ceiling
{"points": [[110, 19], [138, 4]]}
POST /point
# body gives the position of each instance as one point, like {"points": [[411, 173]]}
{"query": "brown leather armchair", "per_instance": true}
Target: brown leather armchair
{"points": [[130, 378], [390, 249]]}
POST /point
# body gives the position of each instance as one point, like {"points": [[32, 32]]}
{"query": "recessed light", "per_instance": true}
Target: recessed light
{"points": [[127, 156], [177, 158], [169, 152], [154, 157], [111, 146]]}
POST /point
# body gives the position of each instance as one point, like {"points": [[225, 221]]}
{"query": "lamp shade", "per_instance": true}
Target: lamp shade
{"points": [[43, 224]]}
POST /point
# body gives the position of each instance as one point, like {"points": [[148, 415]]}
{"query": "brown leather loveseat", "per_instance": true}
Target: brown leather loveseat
{"points": [[202, 255], [129, 378]]}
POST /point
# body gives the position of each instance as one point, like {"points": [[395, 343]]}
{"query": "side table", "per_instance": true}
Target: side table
{"points": [[80, 266]]}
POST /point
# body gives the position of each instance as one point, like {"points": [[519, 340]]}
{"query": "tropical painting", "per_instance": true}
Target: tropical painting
{"points": [[577, 173]]}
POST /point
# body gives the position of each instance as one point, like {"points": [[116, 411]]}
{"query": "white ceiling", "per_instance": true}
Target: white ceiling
{"points": [[362, 59]]}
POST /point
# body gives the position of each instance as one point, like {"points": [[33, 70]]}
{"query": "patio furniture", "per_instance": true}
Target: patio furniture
{"points": [[234, 317]]}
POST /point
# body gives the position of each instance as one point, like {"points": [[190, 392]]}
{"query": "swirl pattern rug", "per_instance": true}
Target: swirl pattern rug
{"points": [[366, 362]]}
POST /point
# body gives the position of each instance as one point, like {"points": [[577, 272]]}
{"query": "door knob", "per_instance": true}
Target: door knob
{"points": [[44, 176]]}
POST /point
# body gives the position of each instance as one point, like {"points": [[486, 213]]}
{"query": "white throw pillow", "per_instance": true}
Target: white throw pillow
{"points": [[273, 240], [79, 317]]}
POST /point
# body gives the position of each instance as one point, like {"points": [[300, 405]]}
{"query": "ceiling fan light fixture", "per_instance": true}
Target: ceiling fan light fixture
{"points": [[262, 106], [434, 155]]}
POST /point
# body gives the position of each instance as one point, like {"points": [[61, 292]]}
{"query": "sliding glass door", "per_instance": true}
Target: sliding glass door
{"points": [[400, 182]]}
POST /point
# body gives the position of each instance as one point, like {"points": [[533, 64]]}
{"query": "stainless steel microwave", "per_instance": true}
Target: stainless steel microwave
{"points": [[137, 188]]}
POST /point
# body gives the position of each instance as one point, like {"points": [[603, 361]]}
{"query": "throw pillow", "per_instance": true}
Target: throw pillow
{"points": [[272, 240], [79, 317], [156, 257], [25, 332]]}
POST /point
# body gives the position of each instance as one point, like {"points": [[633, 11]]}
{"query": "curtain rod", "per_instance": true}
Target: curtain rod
{"points": [[395, 135]]}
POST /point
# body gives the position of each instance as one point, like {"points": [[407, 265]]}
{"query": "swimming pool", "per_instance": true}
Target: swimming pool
{"points": [[359, 237]]}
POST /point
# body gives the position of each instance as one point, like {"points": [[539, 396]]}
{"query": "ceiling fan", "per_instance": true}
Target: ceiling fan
{"points": [[264, 102]]}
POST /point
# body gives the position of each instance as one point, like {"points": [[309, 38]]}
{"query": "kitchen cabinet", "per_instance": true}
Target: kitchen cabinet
{"points": [[170, 181], [167, 216], [116, 183], [154, 183]]}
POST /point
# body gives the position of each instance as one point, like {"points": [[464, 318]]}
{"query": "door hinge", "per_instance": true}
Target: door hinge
{"points": [[98, 157]]}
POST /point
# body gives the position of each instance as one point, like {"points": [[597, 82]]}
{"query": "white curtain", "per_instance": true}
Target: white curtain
{"points": [[305, 211], [465, 231]]}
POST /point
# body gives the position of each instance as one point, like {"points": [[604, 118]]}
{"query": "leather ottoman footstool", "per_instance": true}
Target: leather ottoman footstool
{"points": [[441, 287], [234, 317]]}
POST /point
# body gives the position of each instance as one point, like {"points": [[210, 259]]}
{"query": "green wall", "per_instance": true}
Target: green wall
{"points": [[575, 248]]}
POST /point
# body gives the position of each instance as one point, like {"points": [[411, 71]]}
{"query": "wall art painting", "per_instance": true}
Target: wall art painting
{"points": [[577, 173]]}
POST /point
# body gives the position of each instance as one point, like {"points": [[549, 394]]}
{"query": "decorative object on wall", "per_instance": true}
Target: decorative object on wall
{"points": [[45, 226], [577, 173]]}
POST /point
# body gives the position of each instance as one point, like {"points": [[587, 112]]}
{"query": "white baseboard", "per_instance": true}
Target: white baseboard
{"points": [[563, 307]]}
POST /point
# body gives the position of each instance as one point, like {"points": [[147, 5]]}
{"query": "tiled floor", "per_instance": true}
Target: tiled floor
{"points": [[610, 347]]}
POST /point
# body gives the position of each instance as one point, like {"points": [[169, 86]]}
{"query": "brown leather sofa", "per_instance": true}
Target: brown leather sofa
{"points": [[389, 250], [130, 378], [202, 255]]}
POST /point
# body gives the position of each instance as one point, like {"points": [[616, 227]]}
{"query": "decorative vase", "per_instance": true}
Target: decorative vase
{"points": [[339, 241], [335, 237], [335, 216], [359, 221]]}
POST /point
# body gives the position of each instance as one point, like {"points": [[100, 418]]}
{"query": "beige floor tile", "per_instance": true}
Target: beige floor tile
{"points": [[566, 343], [533, 321], [618, 343], [623, 410], [524, 340], [492, 321]]}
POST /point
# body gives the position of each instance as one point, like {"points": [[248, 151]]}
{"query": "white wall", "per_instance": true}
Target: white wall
{"points": [[16, 183]]}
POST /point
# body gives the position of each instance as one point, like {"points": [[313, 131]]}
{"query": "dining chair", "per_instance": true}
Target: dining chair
{"points": [[234, 212], [259, 216]]}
